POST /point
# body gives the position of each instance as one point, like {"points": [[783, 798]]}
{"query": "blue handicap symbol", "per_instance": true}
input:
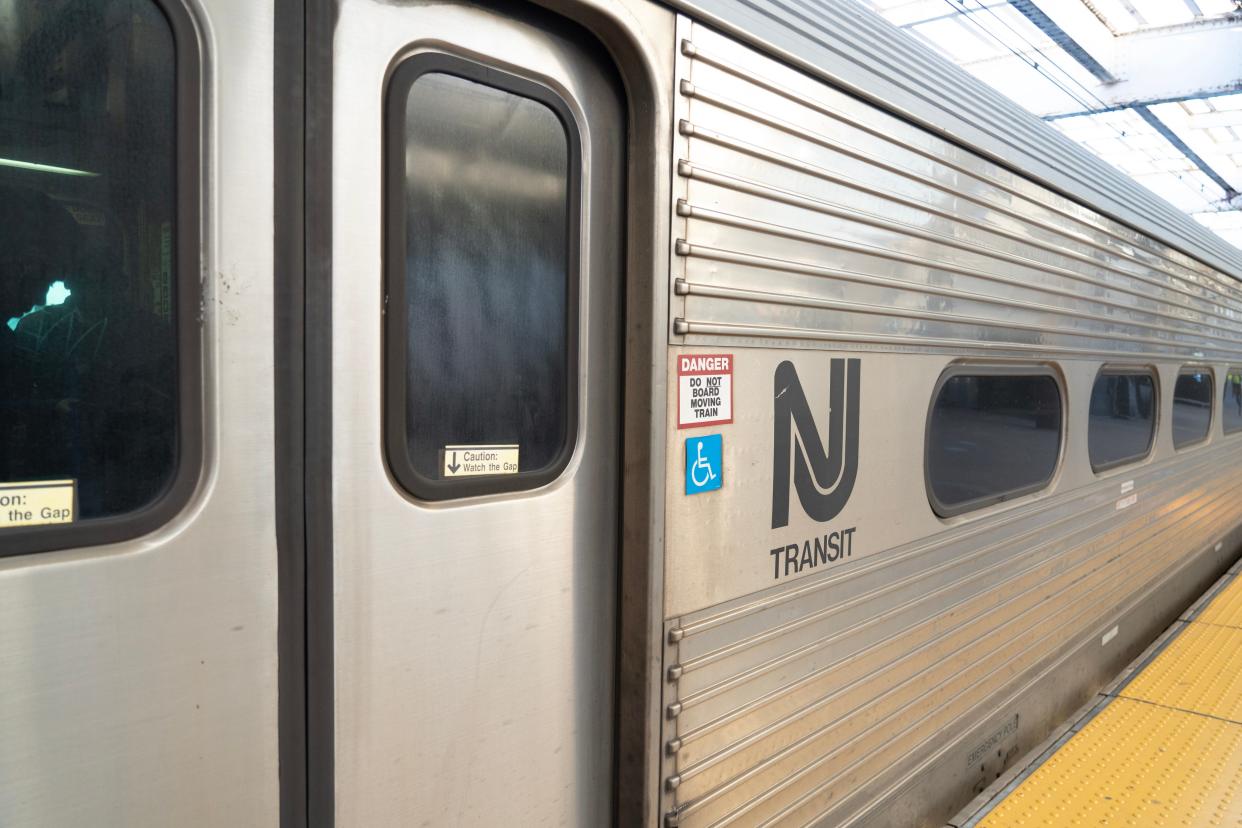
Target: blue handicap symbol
{"points": [[704, 463]]}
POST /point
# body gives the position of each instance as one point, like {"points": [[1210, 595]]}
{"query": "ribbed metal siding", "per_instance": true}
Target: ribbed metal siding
{"points": [[799, 705], [806, 214], [857, 50], [806, 218]]}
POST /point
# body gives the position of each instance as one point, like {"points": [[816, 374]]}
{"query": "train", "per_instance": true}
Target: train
{"points": [[577, 412]]}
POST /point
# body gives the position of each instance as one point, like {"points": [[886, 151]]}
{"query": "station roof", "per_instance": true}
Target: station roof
{"points": [[1153, 87]]}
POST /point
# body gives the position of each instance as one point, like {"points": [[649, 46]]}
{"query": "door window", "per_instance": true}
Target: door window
{"points": [[89, 375], [482, 280]]}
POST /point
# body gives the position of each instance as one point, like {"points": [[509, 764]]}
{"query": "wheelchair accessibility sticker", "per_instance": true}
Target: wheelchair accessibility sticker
{"points": [[704, 463]]}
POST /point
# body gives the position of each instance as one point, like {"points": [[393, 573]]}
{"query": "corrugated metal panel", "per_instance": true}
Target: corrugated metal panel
{"points": [[806, 214], [789, 703], [807, 217], [859, 51]]}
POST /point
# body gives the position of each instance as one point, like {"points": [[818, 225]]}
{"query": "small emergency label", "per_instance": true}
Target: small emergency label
{"points": [[704, 390], [37, 502], [466, 461]]}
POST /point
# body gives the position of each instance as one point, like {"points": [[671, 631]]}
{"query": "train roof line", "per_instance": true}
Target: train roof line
{"points": [[855, 49]]}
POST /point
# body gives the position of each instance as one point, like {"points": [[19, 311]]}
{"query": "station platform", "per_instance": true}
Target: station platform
{"points": [[1161, 746]]}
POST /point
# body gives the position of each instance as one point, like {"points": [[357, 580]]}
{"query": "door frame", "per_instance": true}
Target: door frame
{"points": [[640, 38], [303, 396]]}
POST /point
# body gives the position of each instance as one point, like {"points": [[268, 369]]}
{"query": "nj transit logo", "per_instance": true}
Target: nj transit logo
{"points": [[823, 477]]}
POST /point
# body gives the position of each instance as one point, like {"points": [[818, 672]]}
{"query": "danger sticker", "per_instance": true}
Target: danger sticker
{"points": [[704, 390]]}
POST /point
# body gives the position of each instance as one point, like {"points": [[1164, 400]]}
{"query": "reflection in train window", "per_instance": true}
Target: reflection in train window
{"points": [[88, 382], [1122, 418], [1231, 404], [483, 277], [1192, 406], [990, 437]]}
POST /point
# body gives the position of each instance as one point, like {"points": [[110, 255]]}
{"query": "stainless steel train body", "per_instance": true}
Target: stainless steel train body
{"points": [[718, 578]]}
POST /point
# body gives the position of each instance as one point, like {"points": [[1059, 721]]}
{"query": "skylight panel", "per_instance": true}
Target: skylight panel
{"points": [[1015, 78], [1211, 8], [1227, 103], [905, 12], [1190, 153], [1118, 17], [1196, 106], [960, 41], [1216, 136], [1163, 12]]}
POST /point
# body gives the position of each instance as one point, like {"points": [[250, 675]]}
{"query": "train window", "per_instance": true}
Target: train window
{"points": [[991, 436], [1192, 406], [90, 386], [1231, 405], [1122, 417], [481, 279]]}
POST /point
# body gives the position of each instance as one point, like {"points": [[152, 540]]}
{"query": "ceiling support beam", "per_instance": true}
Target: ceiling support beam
{"points": [[1186, 62], [1153, 64], [1063, 39], [1171, 136], [1176, 63], [1194, 95]]}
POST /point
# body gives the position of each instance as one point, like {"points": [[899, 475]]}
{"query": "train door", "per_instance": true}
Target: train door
{"points": [[138, 554], [476, 218]]}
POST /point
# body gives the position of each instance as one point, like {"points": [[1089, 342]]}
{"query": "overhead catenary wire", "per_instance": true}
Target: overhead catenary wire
{"points": [[965, 13]]}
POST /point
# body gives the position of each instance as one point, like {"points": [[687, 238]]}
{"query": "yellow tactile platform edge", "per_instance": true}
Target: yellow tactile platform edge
{"points": [[1225, 609], [1134, 764], [1167, 751], [1199, 672]]}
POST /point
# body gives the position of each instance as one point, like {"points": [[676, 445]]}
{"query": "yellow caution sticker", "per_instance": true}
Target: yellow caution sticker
{"points": [[37, 502]]}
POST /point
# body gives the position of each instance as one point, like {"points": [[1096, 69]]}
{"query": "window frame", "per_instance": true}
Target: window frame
{"points": [[1224, 428], [944, 511], [1185, 370], [188, 165], [1115, 370], [402, 75]]}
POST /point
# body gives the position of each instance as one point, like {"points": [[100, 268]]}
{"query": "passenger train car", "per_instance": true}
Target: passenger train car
{"points": [[585, 412]]}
